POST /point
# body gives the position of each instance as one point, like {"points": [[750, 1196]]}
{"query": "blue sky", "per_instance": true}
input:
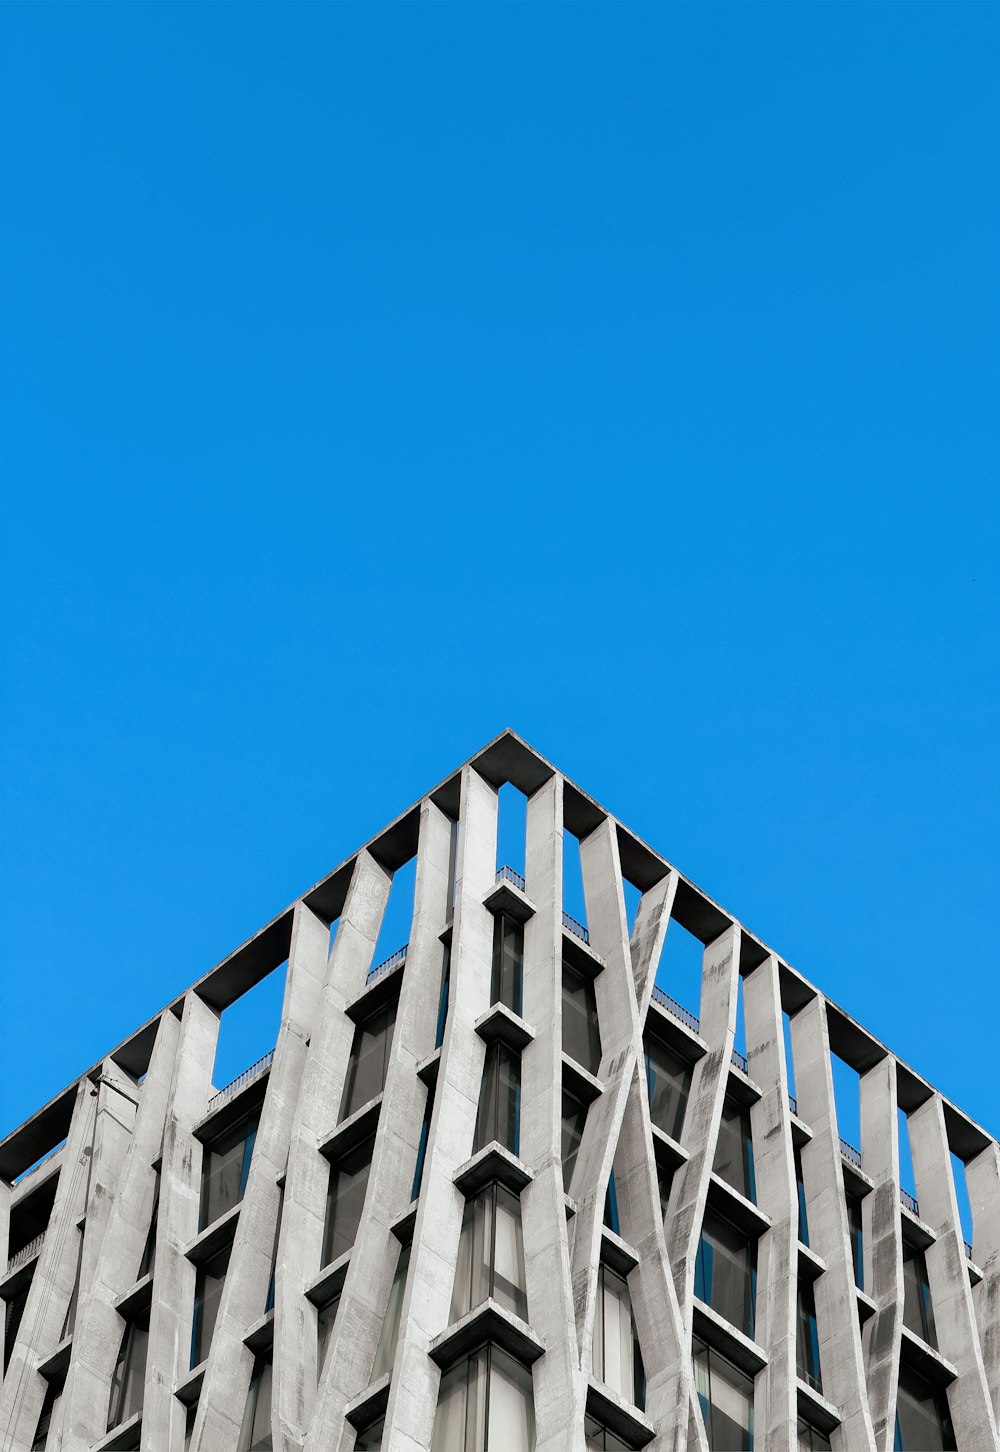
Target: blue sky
{"points": [[377, 377]]}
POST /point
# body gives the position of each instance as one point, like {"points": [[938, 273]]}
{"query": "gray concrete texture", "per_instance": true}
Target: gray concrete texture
{"points": [[114, 1166]]}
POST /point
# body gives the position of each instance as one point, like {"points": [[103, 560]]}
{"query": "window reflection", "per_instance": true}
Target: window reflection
{"points": [[581, 1036], [725, 1395], [668, 1079], [734, 1152], [499, 1099], [255, 1433], [490, 1254], [485, 1404], [617, 1357], [385, 1352], [726, 1271], [226, 1168], [508, 963], [369, 1062], [346, 1199], [129, 1375]]}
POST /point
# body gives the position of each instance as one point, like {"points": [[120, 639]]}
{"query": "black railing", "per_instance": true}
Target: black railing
{"points": [[22, 1256], [740, 1060], [507, 874], [793, 1104], [850, 1153], [241, 1080], [968, 1250], [577, 929], [676, 1010], [910, 1201], [393, 961]]}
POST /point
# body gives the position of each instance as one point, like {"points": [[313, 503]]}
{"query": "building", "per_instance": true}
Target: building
{"points": [[500, 1191]]}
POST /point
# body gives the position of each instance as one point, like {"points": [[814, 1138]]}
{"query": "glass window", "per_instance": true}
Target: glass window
{"points": [[725, 1395], [370, 1438], [664, 1180], [255, 1433], [346, 1199], [149, 1249], [490, 1254], [801, 1191], [857, 1242], [508, 963], [13, 1312], [443, 1000], [69, 1320], [725, 1275], [385, 1352], [225, 1168], [581, 1036], [369, 1060], [269, 1300], [807, 1339], [617, 1357], [918, 1314], [811, 1440], [324, 1330], [668, 1079], [499, 1099], [734, 1152], [574, 1117], [208, 1283], [611, 1219], [485, 1404], [52, 1395], [923, 1423], [425, 1129], [129, 1374], [599, 1439], [191, 1416]]}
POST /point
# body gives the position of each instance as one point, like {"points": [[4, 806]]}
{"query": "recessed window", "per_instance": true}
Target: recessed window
{"points": [[581, 1035], [385, 1352], [324, 1330], [800, 1189], [617, 1357], [923, 1422], [425, 1129], [255, 1433], [854, 1222], [725, 1395], [485, 1404], [49, 1405], [499, 1099], [810, 1439], [508, 963], [442, 1017], [918, 1314], [208, 1283], [734, 1152], [574, 1117], [725, 1275], [346, 1199], [807, 1339], [226, 1168], [599, 1439], [668, 1079], [369, 1062], [490, 1254], [129, 1375]]}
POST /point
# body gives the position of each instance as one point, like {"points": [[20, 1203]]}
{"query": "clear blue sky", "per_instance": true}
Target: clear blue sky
{"points": [[375, 378]]}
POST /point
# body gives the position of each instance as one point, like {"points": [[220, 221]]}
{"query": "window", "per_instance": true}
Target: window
{"points": [[499, 1099], [369, 1439], [13, 1311], [149, 1249], [599, 1439], [725, 1275], [508, 963], [369, 1060], [208, 1283], [129, 1373], [857, 1242], [574, 1117], [485, 1404], [668, 1079], [345, 1199], [807, 1339], [490, 1254], [443, 1000], [324, 1329], [617, 1357], [811, 1440], [69, 1320], [611, 1219], [734, 1152], [923, 1423], [801, 1190], [269, 1299], [726, 1397], [385, 1352], [664, 1180], [581, 1036], [255, 1433], [52, 1395], [226, 1167], [189, 1420], [918, 1314], [425, 1129]]}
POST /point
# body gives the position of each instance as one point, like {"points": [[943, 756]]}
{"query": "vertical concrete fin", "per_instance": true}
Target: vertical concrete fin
{"points": [[882, 1245], [947, 1273], [649, 933], [982, 1176]]}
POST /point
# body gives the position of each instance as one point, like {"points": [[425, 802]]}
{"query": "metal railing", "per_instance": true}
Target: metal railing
{"points": [[850, 1153], [910, 1201], [507, 874], [676, 1010], [576, 928], [241, 1080], [968, 1250], [33, 1169], [22, 1256], [393, 961], [793, 1104], [740, 1060]]}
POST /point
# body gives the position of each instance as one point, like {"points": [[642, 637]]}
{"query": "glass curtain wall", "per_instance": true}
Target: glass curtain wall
{"points": [[369, 1060], [617, 1356], [734, 1152], [725, 1275], [599, 1439], [385, 1352], [208, 1283], [918, 1314], [508, 963], [225, 1168], [923, 1422], [810, 1439], [346, 1199], [255, 1433], [129, 1375], [725, 1395], [581, 1035], [490, 1254], [485, 1404], [668, 1079], [499, 1099]]}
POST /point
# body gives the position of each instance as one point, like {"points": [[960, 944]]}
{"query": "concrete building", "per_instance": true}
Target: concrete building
{"points": [[501, 1190]]}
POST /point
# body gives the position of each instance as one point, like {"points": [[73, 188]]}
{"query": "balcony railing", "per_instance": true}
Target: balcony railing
{"points": [[22, 1256], [33, 1169], [507, 874], [241, 1081], [850, 1153], [676, 1010], [968, 1250], [740, 1060], [393, 961], [910, 1201], [577, 929], [793, 1104]]}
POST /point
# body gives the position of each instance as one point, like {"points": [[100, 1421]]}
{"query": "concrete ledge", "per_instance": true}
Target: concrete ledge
{"points": [[125, 1435], [499, 1024], [580, 955], [402, 1228], [488, 1322], [214, 1236], [261, 1333], [675, 1034], [736, 1207], [801, 1133], [811, 1265], [54, 1365], [742, 1088], [617, 1253], [915, 1230], [814, 1407], [427, 1069], [509, 899], [855, 1178], [370, 1405], [926, 1360], [724, 1337], [329, 1281], [189, 1390], [668, 1152], [351, 1131], [376, 994], [619, 1416], [137, 1299], [225, 1114], [496, 1164], [579, 1081], [866, 1306]]}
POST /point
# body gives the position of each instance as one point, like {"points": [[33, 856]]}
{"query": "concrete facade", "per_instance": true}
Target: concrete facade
{"points": [[677, 1252]]}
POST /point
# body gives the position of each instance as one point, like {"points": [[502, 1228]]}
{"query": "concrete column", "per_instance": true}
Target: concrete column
{"points": [[244, 1295], [23, 1390], [83, 1408], [172, 1309], [775, 1404], [546, 1241], [841, 1361], [364, 1300], [982, 1177], [5, 1198], [300, 1243], [883, 1246], [948, 1276], [409, 1420]]}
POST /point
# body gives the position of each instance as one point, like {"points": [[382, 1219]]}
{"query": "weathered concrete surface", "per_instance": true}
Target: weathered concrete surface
{"points": [[883, 1246]]}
